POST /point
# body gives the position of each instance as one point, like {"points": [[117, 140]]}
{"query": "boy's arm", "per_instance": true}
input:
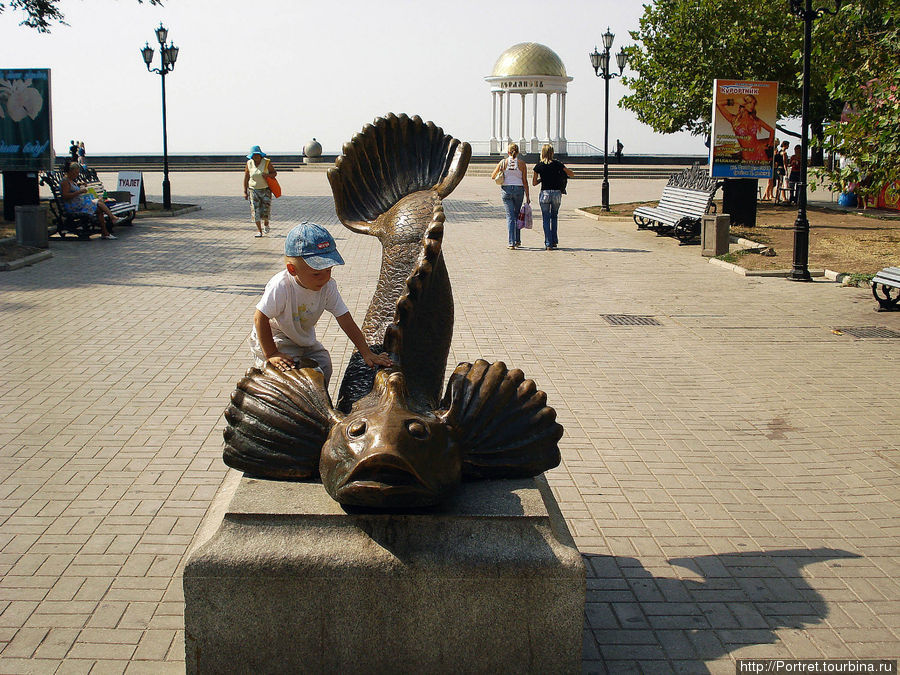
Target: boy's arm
{"points": [[348, 325], [267, 342]]}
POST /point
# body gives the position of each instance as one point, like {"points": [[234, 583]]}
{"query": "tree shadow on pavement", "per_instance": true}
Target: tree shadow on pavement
{"points": [[636, 621]]}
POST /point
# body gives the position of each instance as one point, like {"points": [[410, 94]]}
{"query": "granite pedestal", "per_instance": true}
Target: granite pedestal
{"points": [[283, 579]]}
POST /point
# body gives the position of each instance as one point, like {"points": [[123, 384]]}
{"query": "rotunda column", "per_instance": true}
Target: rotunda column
{"points": [[563, 143], [558, 99], [549, 139], [508, 117], [535, 143], [494, 145], [523, 147], [500, 121]]}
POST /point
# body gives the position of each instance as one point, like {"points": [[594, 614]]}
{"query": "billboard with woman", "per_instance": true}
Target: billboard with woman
{"points": [[743, 128]]}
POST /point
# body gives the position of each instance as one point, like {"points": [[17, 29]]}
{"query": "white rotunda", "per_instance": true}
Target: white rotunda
{"points": [[523, 69]]}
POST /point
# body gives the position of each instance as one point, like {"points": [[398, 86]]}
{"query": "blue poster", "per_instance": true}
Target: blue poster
{"points": [[25, 126]]}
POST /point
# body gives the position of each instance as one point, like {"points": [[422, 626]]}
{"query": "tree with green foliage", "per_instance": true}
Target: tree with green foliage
{"points": [[683, 45], [40, 14], [868, 136]]}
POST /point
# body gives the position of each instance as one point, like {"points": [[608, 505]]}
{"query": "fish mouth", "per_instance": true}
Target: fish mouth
{"points": [[384, 473]]}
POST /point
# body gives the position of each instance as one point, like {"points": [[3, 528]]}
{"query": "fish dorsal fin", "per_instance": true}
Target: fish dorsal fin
{"points": [[389, 159]]}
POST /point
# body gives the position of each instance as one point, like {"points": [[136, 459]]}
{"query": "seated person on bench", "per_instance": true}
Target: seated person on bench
{"points": [[77, 201]]}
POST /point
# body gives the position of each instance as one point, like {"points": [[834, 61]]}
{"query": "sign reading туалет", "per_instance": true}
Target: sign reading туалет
{"points": [[743, 128], [25, 130], [133, 182]]}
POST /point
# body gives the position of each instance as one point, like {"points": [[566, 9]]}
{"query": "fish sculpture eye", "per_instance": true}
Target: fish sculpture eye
{"points": [[356, 429], [417, 429]]}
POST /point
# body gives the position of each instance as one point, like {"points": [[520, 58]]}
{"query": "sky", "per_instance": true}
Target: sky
{"points": [[279, 72]]}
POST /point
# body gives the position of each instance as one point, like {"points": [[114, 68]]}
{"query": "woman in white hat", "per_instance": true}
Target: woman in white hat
{"points": [[258, 168]]}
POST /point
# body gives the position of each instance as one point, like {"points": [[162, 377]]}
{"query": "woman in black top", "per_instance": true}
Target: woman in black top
{"points": [[552, 176]]}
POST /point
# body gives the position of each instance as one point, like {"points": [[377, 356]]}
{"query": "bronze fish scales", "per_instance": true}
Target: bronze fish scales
{"points": [[392, 440]]}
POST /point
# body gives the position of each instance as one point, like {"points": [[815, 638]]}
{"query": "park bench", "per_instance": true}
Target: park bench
{"points": [[84, 225], [889, 280], [686, 198]]}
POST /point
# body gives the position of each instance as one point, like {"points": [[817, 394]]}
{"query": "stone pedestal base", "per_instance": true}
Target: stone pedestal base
{"points": [[313, 160], [290, 582]]}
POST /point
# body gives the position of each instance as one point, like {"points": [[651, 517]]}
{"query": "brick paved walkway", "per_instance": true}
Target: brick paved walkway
{"points": [[729, 474]]}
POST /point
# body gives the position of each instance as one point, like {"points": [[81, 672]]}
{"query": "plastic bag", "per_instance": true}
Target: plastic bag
{"points": [[525, 220]]}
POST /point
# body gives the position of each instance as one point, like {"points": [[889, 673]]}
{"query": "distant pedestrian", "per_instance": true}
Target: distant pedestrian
{"points": [[73, 150], [514, 189], [256, 189], [794, 176], [552, 175], [619, 148], [82, 157], [781, 163]]}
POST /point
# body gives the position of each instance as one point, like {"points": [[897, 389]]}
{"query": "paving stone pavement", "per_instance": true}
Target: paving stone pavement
{"points": [[729, 474]]}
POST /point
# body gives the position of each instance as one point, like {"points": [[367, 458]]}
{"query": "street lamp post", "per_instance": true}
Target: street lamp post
{"points": [[600, 62], [803, 9], [167, 57]]}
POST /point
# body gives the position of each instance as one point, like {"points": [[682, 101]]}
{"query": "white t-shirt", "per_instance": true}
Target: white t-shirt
{"points": [[293, 310]]}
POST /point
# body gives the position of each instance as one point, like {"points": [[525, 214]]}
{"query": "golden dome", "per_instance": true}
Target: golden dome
{"points": [[529, 58]]}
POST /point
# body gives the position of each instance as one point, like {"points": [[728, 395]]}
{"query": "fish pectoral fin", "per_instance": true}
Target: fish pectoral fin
{"points": [[502, 422], [277, 422]]}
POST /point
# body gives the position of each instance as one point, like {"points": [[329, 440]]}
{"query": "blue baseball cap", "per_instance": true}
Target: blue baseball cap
{"points": [[314, 244], [255, 151]]}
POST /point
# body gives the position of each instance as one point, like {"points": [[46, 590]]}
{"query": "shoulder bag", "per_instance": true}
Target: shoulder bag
{"points": [[273, 184]]}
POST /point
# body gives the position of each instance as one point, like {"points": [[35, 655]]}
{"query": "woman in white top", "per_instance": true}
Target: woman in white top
{"points": [[514, 188], [256, 189]]}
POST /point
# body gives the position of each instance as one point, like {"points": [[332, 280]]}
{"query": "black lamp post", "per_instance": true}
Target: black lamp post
{"points": [[168, 55], [600, 62], [804, 10]]}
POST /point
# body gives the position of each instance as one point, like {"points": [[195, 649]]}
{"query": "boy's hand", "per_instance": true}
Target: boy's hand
{"points": [[373, 359], [281, 361]]}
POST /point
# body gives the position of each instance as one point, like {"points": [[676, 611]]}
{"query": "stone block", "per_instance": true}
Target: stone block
{"points": [[283, 579]]}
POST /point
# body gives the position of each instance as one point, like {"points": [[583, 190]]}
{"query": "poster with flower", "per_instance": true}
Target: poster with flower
{"points": [[743, 128], [25, 128]]}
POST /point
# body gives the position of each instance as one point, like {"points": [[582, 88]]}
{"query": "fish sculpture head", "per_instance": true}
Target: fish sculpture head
{"points": [[386, 453]]}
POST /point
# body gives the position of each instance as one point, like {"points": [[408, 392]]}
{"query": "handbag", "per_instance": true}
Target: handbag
{"points": [[272, 182], [525, 219], [273, 186], [499, 179]]}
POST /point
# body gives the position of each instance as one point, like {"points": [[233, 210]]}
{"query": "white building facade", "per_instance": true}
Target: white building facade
{"points": [[528, 77]]}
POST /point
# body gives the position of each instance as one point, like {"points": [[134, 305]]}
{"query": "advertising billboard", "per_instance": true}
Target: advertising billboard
{"points": [[743, 128], [25, 126]]}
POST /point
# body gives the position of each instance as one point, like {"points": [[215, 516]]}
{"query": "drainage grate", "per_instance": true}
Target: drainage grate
{"points": [[630, 320], [868, 332]]}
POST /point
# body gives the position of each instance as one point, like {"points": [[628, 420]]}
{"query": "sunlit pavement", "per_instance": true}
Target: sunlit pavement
{"points": [[729, 471]]}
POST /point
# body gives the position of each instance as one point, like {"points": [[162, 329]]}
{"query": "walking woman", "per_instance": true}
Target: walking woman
{"points": [[258, 168], [551, 174], [514, 189]]}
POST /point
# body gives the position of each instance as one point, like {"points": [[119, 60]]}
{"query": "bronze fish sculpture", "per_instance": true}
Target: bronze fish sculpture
{"points": [[392, 441]]}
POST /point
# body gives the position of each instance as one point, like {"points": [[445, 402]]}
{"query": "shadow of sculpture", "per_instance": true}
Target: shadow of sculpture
{"points": [[636, 619], [392, 440]]}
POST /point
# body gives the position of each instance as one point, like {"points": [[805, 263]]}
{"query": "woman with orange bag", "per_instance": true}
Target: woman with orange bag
{"points": [[257, 173]]}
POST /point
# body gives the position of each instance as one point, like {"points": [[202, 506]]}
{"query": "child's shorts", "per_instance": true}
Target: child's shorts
{"points": [[317, 353]]}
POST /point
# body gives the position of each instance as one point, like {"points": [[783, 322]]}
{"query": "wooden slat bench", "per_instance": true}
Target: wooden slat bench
{"points": [[82, 225], [686, 198], [889, 280]]}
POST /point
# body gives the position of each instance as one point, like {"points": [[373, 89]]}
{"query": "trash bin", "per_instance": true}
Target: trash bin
{"points": [[714, 234], [31, 226]]}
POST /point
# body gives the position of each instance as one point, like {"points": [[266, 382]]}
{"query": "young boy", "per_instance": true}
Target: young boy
{"points": [[284, 325]]}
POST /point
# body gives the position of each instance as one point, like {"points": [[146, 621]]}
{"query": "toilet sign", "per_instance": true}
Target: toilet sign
{"points": [[133, 182]]}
